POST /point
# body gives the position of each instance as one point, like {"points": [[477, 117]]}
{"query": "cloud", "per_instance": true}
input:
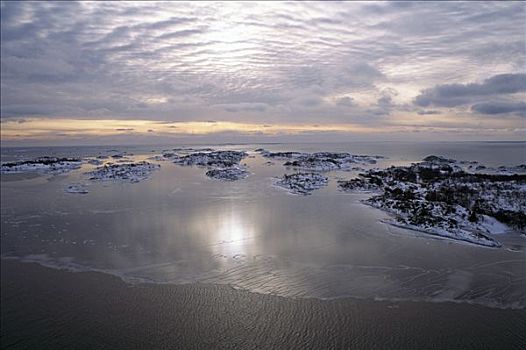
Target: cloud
{"points": [[428, 112], [180, 33], [247, 107], [345, 101], [450, 95], [490, 108], [282, 62]]}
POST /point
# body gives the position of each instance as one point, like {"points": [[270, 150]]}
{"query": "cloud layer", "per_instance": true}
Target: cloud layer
{"points": [[377, 65], [451, 95]]}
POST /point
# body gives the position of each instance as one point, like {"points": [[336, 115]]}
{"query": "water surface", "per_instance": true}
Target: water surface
{"points": [[181, 227]]}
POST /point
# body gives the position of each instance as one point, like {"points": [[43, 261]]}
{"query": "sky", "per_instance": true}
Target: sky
{"points": [[157, 72]]}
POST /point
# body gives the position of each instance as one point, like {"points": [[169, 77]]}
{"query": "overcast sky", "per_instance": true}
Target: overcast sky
{"points": [[150, 71]]}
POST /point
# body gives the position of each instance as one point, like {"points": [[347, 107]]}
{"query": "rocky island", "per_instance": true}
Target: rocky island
{"points": [[302, 183], [44, 165], [222, 165], [130, 172], [223, 159], [437, 196], [321, 161], [228, 174]]}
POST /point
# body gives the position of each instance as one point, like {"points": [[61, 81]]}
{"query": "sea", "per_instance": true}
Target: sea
{"points": [[181, 227]]}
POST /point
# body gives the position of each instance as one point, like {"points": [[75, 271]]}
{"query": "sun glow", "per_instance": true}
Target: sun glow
{"points": [[47, 128]]}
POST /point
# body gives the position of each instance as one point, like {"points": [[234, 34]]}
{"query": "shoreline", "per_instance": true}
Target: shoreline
{"points": [[138, 281], [48, 308]]}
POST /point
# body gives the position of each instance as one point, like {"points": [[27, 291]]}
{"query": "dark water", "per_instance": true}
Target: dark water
{"points": [[50, 309], [181, 227]]}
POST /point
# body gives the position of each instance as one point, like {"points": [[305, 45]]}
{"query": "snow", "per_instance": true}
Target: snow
{"points": [[320, 161], [439, 198], [221, 159], [130, 172], [44, 165], [302, 183], [492, 225], [228, 174]]}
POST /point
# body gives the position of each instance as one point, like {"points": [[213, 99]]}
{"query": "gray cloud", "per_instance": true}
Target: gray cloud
{"points": [[451, 95], [428, 112], [277, 62], [240, 107], [180, 33], [491, 108], [346, 101]]}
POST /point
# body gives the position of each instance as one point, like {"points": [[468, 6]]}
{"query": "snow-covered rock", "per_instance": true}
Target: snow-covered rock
{"points": [[44, 165], [438, 160], [321, 161], [359, 184], [436, 197], [131, 172], [228, 174], [190, 149], [222, 159], [281, 155], [302, 183]]}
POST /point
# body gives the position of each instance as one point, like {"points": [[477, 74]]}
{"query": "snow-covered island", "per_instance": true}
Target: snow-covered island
{"points": [[320, 161], [228, 174], [130, 172], [438, 197], [222, 159], [302, 183], [222, 165], [44, 165]]}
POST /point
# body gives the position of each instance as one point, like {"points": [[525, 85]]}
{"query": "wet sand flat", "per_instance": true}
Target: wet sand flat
{"points": [[53, 309]]}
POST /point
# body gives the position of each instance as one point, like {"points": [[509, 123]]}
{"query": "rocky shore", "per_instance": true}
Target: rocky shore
{"points": [[438, 197], [44, 165]]}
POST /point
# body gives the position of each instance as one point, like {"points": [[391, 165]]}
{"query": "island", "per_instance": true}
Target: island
{"points": [[222, 165], [321, 161], [302, 183], [228, 174], [43, 165], [223, 159], [128, 172], [438, 196]]}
